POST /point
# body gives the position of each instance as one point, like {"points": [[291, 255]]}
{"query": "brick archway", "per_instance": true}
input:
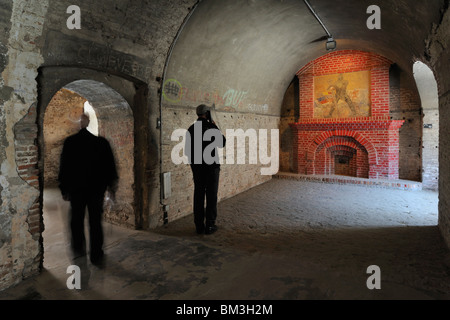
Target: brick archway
{"points": [[357, 136], [357, 112], [322, 153]]}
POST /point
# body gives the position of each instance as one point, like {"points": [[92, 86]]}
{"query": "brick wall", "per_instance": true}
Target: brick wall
{"points": [[27, 169], [343, 62], [61, 121], [116, 125], [336, 148], [376, 135], [26, 149], [405, 105]]}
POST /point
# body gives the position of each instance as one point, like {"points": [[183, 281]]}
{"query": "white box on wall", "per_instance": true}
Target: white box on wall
{"points": [[166, 185]]}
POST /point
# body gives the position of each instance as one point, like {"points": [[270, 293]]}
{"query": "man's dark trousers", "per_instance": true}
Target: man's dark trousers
{"points": [[206, 184], [93, 201]]}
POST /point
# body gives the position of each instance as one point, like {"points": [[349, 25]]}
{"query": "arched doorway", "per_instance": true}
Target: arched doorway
{"points": [[115, 123], [112, 118], [427, 86]]}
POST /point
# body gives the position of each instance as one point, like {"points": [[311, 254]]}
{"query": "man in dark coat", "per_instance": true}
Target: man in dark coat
{"points": [[87, 170], [203, 136]]}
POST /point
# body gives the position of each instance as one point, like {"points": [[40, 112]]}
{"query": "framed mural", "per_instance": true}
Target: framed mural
{"points": [[343, 95]]}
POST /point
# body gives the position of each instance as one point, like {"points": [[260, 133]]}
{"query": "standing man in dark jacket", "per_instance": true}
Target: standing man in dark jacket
{"points": [[202, 140], [87, 170]]}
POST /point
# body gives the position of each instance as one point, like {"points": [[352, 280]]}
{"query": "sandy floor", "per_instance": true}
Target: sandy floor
{"points": [[284, 239]]}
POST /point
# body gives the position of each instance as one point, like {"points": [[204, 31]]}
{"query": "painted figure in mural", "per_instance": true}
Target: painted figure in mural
{"points": [[340, 92], [87, 170], [202, 140]]}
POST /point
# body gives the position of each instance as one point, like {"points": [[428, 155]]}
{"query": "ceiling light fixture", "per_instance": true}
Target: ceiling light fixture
{"points": [[331, 43]]}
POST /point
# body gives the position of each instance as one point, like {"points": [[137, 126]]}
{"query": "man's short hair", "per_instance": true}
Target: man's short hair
{"points": [[202, 109]]}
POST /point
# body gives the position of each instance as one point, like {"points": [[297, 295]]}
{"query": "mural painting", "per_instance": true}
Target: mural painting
{"points": [[344, 95]]}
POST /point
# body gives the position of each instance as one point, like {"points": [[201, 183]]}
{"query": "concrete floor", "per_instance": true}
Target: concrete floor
{"points": [[284, 239]]}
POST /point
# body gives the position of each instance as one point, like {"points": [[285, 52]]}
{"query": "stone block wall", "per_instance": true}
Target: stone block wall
{"points": [[20, 219]]}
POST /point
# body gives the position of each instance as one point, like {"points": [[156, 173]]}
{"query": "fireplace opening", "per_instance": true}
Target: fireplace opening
{"points": [[344, 165]]}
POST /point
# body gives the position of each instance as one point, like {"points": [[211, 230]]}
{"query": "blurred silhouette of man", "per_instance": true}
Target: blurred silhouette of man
{"points": [[203, 136], [87, 171]]}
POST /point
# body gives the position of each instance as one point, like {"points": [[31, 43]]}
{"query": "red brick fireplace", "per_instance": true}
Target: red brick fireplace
{"points": [[344, 126]]}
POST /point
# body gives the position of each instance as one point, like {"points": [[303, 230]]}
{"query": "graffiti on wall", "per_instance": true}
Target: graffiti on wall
{"points": [[201, 96], [258, 108], [342, 95], [232, 99], [172, 90]]}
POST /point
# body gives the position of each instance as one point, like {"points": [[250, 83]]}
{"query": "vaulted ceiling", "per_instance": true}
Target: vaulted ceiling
{"points": [[257, 46]]}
